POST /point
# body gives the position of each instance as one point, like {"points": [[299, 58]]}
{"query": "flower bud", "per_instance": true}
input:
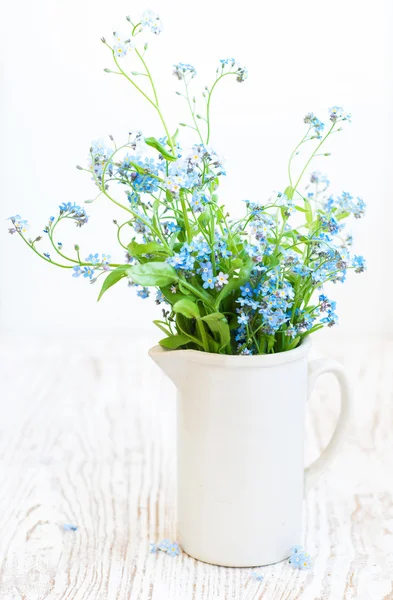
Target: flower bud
{"points": [[76, 247]]}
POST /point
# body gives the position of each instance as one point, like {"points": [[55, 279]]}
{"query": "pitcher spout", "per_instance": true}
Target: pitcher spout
{"points": [[171, 362]]}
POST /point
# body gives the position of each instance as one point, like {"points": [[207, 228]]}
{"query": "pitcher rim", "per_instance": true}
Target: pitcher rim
{"points": [[227, 360]]}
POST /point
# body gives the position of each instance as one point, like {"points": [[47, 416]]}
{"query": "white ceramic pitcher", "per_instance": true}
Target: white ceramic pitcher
{"points": [[240, 440]]}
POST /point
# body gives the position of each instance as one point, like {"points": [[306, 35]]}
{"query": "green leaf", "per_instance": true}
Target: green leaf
{"points": [[136, 249], [183, 289], [289, 191], [174, 297], [236, 263], [270, 342], [342, 215], [235, 283], [294, 343], [187, 308], [138, 168], [161, 325], [273, 261], [214, 184], [174, 341], [204, 217], [154, 143], [168, 196], [173, 239], [187, 327], [112, 278], [218, 325], [308, 212], [153, 273], [213, 345]]}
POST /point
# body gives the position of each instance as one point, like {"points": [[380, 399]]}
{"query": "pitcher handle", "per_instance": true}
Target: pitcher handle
{"points": [[315, 369]]}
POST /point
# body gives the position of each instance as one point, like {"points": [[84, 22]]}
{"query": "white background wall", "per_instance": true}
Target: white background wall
{"points": [[302, 56]]}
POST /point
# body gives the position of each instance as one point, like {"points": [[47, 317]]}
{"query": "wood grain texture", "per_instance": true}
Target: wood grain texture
{"points": [[88, 437]]}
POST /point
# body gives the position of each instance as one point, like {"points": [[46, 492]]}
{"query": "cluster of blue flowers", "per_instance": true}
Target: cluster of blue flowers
{"points": [[100, 154], [337, 113], [19, 225], [86, 272], [70, 527], [141, 183], [94, 259], [265, 306], [299, 558], [96, 262], [254, 285], [195, 258], [73, 211], [345, 204], [171, 548], [327, 306], [123, 43], [233, 66], [192, 169], [315, 124], [152, 21], [187, 172], [184, 71], [257, 575]]}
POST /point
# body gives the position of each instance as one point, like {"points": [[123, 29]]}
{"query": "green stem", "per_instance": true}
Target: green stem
{"points": [[157, 104], [209, 101], [154, 103], [185, 215], [50, 234], [44, 257], [104, 191], [313, 154], [130, 80], [119, 228], [199, 293], [203, 335], [212, 240], [293, 154], [192, 112]]}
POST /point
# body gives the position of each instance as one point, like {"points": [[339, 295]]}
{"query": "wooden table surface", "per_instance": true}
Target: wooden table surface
{"points": [[88, 438]]}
